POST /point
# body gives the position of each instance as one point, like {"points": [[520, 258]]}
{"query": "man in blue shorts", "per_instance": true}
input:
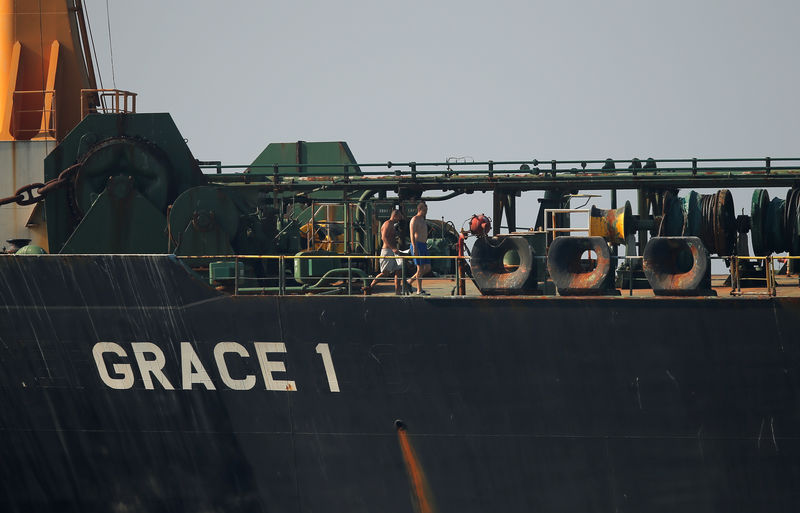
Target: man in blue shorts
{"points": [[419, 245]]}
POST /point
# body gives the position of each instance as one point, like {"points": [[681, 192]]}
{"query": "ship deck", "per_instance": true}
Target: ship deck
{"points": [[785, 286]]}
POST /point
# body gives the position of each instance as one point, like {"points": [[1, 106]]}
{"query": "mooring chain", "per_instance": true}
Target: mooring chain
{"points": [[36, 192]]}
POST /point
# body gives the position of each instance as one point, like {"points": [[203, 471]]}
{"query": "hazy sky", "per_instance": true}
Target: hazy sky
{"points": [[495, 80]]}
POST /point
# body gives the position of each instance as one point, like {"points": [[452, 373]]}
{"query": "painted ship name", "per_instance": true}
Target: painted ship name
{"points": [[116, 366]]}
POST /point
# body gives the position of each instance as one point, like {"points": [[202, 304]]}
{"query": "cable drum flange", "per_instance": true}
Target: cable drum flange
{"points": [[796, 235], [718, 222], [758, 215], [692, 211], [673, 216], [774, 226], [790, 227]]}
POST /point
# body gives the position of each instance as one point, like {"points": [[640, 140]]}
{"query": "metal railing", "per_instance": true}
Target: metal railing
{"points": [[663, 166], [347, 222], [45, 127], [769, 273], [326, 283], [111, 101], [511, 175], [550, 213]]}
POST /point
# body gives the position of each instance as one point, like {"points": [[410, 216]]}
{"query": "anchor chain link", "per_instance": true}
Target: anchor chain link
{"points": [[35, 192]]}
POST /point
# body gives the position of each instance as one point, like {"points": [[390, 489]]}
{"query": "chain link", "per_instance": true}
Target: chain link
{"points": [[36, 192], [11, 199], [29, 191]]}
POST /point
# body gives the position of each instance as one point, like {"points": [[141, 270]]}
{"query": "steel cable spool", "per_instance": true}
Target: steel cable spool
{"points": [[796, 235], [773, 227], [692, 209], [790, 226], [758, 218], [707, 224], [718, 222], [775, 223], [725, 223], [673, 217]]}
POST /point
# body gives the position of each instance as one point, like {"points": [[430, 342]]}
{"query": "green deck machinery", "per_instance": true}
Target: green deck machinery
{"points": [[121, 174], [129, 184]]}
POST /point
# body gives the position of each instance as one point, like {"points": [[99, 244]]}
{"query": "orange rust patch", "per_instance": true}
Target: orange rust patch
{"points": [[423, 498]]}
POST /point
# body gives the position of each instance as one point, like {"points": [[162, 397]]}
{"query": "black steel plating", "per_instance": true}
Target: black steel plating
{"points": [[544, 404]]}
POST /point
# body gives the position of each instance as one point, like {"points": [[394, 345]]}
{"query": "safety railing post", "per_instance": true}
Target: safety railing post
{"points": [[768, 265], [738, 282], [349, 277], [458, 276], [463, 276], [738, 278], [346, 239], [281, 276], [773, 291], [403, 276], [630, 276], [311, 232], [236, 276], [768, 273]]}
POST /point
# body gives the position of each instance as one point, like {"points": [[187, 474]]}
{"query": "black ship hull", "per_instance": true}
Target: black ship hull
{"points": [[127, 385]]}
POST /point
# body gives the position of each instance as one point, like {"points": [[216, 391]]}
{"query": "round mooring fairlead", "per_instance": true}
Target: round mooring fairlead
{"points": [[678, 266], [492, 276], [574, 276]]}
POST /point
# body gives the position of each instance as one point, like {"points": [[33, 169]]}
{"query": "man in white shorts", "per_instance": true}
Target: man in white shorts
{"points": [[389, 266]]}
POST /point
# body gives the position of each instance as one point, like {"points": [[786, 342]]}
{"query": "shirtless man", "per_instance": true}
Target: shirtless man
{"points": [[389, 265], [419, 245]]}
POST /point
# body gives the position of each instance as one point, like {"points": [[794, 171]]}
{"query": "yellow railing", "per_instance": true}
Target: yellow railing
{"points": [[769, 273], [348, 279], [736, 286]]}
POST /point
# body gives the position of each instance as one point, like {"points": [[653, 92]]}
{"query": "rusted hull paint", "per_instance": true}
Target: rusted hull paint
{"points": [[423, 502]]}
